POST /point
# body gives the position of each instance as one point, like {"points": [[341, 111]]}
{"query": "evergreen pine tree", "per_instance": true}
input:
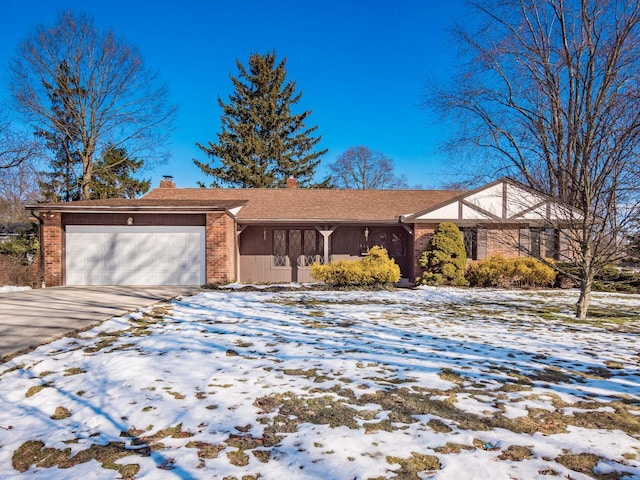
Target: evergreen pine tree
{"points": [[262, 142], [444, 259], [61, 181], [113, 176]]}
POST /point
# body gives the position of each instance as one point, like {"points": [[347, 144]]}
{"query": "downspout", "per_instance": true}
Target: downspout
{"points": [[36, 213]]}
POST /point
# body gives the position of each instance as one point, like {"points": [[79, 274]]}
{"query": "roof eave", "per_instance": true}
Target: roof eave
{"points": [[127, 209], [290, 221]]}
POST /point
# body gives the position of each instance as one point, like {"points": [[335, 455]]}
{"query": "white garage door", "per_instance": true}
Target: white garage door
{"points": [[134, 255]]}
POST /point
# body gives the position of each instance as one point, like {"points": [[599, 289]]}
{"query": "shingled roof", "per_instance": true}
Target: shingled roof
{"points": [[140, 204], [316, 205]]}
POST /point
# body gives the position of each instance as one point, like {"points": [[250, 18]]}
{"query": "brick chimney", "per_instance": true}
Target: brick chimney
{"points": [[167, 182], [292, 182]]}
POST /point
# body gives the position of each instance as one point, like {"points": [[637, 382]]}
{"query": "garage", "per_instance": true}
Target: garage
{"points": [[134, 255]]}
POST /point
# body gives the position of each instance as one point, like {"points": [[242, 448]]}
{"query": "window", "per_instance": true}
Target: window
{"points": [[544, 243], [470, 240], [551, 243], [311, 247], [536, 242], [297, 247], [280, 248], [397, 245]]}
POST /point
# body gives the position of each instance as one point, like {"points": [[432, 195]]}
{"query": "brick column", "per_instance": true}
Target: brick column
{"points": [[422, 233], [220, 248], [52, 245]]}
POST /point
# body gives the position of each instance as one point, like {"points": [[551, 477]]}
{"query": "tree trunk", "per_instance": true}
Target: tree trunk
{"points": [[582, 306]]}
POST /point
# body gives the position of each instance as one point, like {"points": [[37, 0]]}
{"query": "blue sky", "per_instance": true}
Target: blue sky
{"points": [[362, 67]]}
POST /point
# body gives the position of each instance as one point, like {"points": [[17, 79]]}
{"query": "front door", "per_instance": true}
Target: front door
{"points": [[395, 241]]}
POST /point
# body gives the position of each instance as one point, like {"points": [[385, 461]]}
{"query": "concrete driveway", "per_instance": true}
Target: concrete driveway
{"points": [[30, 318]]}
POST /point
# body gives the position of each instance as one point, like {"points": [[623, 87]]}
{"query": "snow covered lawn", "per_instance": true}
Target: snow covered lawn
{"points": [[429, 383]]}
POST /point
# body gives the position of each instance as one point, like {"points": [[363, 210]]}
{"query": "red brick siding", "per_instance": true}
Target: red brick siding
{"points": [[220, 250], [52, 237], [503, 241], [500, 241], [421, 236]]}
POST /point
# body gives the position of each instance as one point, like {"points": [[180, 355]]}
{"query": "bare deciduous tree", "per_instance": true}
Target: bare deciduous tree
{"points": [[15, 147], [551, 88], [18, 186], [361, 168], [114, 101]]}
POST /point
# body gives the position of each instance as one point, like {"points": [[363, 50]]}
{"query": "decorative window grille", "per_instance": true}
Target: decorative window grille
{"points": [[304, 247], [279, 248], [470, 240]]}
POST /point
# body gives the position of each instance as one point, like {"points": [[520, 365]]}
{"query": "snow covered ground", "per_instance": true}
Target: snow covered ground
{"points": [[428, 383], [8, 288]]}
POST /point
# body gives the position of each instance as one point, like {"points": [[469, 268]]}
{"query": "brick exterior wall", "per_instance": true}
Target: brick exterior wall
{"points": [[422, 233], [52, 238], [220, 248], [499, 241], [503, 241]]}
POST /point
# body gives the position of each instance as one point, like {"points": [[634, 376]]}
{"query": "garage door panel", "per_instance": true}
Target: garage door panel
{"points": [[116, 255]]}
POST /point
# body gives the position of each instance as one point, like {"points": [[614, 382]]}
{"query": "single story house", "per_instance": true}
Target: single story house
{"points": [[192, 236]]}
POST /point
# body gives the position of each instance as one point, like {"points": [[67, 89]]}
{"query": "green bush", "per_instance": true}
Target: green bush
{"points": [[498, 271], [24, 247], [444, 259], [374, 269]]}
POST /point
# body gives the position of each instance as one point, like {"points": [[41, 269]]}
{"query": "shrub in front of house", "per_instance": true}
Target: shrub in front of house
{"points": [[376, 269], [498, 271], [444, 260], [19, 259], [611, 279]]}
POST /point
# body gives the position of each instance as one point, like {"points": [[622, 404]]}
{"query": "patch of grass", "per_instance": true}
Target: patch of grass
{"points": [[176, 395], [613, 365], [35, 389], [129, 471], [324, 410], [73, 371], [19, 366], [384, 425], [60, 413], [438, 426], [585, 463], [450, 376], [315, 324], [206, 450], [516, 453], [34, 452], [410, 467], [238, 458], [452, 448], [262, 455]]}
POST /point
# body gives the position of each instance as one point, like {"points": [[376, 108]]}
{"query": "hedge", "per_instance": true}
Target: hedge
{"points": [[374, 269]]}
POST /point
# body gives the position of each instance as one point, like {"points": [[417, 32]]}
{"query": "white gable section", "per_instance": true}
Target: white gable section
{"points": [[448, 211], [522, 201], [499, 201], [489, 200]]}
